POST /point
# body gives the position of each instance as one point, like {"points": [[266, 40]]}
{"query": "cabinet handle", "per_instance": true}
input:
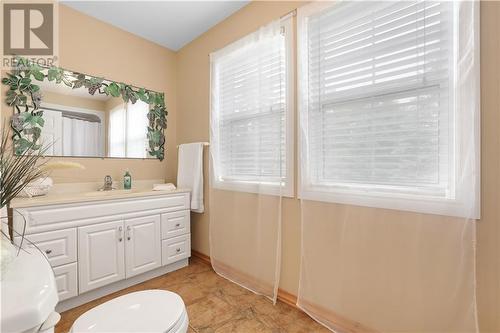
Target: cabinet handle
{"points": [[128, 233], [178, 250], [48, 251], [120, 230], [177, 225]]}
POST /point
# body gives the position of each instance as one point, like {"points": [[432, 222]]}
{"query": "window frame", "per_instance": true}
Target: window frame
{"points": [[456, 204], [286, 188]]}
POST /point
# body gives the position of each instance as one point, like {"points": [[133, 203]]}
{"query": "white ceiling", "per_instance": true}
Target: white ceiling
{"points": [[172, 24]]}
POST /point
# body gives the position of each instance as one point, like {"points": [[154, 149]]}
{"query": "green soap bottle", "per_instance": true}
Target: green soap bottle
{"points": [[127, 181]]}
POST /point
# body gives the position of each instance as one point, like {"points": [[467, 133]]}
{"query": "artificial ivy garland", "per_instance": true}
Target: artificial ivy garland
{"points": [[25, 97]]}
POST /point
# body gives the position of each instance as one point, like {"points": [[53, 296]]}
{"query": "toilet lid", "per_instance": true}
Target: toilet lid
{"points": [[142, 311]]}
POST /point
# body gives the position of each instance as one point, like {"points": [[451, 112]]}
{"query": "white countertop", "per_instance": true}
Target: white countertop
{"points": [[58, 197]]}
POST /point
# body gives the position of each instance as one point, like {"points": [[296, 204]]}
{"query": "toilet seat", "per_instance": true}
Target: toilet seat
{"points": [[143, 311]]}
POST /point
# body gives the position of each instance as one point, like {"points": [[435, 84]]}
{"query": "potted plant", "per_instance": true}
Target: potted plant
{"points": [[17, 170]]}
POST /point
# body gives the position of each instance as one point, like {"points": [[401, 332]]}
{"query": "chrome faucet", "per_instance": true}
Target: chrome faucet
{"points": [[108, 184]]}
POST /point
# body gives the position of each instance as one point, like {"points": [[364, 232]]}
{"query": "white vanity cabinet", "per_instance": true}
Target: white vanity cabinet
{"points": [[100, 245]]}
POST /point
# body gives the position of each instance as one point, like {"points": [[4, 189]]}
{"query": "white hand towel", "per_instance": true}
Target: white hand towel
{"points": [[190, 173], [164, 187]]}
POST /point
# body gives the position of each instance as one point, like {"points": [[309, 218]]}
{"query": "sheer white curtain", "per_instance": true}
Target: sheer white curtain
{"points": [[81, 137], [389, 133], [250, 121]]}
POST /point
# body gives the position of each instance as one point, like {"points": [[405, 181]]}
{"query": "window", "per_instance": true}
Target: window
{"points": [[128, 125], [251, 113], [379, 121]]}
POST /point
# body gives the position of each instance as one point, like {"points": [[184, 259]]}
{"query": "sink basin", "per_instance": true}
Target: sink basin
{"points": [[108, 193]]}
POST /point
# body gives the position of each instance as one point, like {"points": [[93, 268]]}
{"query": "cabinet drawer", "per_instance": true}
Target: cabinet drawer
{"points": [[175, 249], [175, 224], [66, 281], [59, 245]]}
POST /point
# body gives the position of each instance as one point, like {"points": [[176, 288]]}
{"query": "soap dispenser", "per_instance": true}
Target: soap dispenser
{"points": [[127, 181]]}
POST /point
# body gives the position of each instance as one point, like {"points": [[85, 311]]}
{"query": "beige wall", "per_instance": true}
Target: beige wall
{"points": [[488, 231], [93, 47], [193, 125]]}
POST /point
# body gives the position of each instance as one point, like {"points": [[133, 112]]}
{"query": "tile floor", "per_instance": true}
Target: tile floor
{"points": [[215, 305]]}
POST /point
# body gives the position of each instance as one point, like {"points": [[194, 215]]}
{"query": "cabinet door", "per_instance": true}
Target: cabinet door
{"points": [[101, 257], [143, 244]]}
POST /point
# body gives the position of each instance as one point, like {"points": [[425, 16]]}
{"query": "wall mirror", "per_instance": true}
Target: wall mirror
{"points": [[66, 113]]}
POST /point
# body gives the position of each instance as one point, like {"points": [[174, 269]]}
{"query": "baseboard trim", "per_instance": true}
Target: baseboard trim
{"points": [[283, 295], [201, 256], [341, 324], [288, 298]]}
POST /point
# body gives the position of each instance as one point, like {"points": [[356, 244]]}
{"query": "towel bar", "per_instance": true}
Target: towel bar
{"points": [[204, 143]]}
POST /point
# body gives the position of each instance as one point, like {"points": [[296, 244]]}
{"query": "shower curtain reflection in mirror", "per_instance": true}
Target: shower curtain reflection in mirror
{"points": [[72, 132]]}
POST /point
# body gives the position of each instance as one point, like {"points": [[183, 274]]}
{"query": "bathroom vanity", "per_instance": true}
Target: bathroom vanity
{"points": [[101, 242]]}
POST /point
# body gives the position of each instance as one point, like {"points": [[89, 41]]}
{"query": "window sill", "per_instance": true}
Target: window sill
{"points": [[255, 187], [396, 201]]}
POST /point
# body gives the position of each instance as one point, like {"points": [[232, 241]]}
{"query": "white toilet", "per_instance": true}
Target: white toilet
{"points": [[156, 311]]}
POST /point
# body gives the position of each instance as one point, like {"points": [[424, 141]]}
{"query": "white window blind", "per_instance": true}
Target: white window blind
{"points": [[250, 111], [377, 101]]}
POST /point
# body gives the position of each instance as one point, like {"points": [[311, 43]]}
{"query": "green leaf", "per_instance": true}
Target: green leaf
{"points": [[41, 121], [154, 136], [113, 89], [22, 99], [53, 73], [39, 76], [24, 85], [159, 99], [142, 95], [37, 131], [22, 144], [36, 120], [25, 116], [15, 99], [35, 67], [151, 97], [154, 153], [11, 98], [95, 80]]}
